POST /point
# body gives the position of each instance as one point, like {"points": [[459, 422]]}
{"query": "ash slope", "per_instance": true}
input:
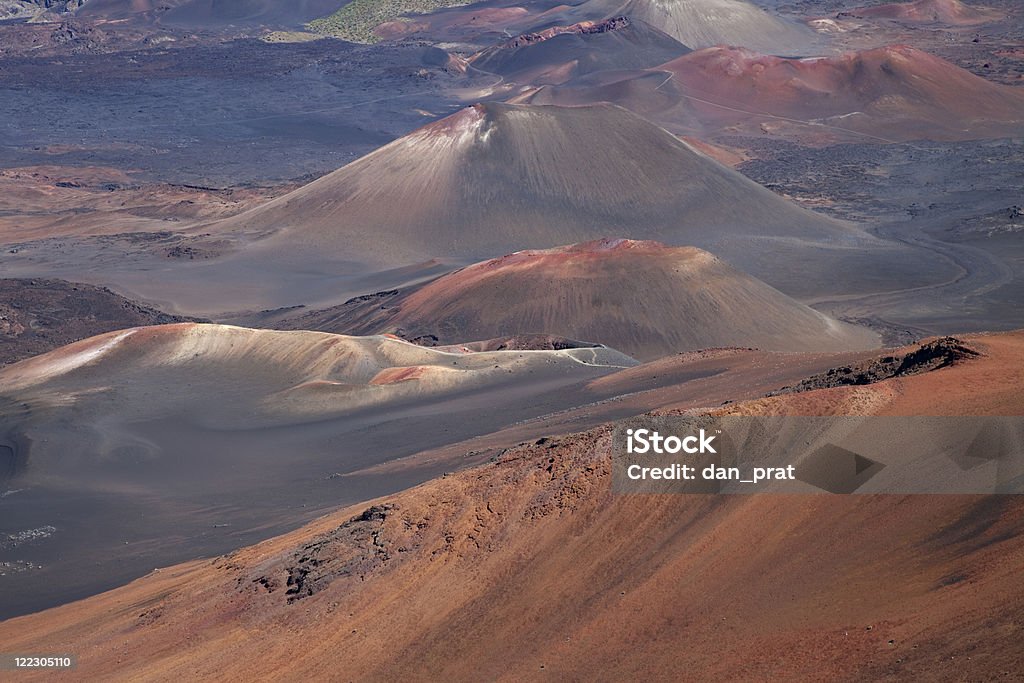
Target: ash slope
{"points": [[643, 298], [498, 178], [446, 574], [702, 23], [153, 445]]}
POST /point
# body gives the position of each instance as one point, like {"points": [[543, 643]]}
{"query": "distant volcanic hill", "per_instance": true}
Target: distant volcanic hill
{"points": [[950, 12], [643, 298], [562, 52], [894, 92], [497, 178], [700, 23]]}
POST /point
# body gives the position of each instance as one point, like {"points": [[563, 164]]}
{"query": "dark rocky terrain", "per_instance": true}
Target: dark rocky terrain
{"points": [[212, 111], [929, 356], [37, 316]]}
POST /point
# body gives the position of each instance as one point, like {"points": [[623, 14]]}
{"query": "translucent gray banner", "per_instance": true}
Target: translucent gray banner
{"points": [[741, 454]]}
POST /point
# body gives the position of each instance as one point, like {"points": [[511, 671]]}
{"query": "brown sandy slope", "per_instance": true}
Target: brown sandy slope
{"points": [[37, 316], [642, 298], [38, 202], [530, 568], [951, 12], [497, 178]]}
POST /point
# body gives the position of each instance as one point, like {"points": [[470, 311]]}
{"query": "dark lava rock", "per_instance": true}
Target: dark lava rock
{"points": [[929, 356], [39, 315]]}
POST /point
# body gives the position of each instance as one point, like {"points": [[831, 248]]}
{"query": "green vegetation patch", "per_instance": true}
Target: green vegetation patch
{"points": [[292, 37], [356, 21]]}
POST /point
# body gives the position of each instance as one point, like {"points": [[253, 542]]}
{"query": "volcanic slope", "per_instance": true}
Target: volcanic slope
{"points": [[446, 575], [700, 23], [889, 94], [892, 93], [209, 434], [642, 298], [563, 52], [949, 12], [497, 178]]}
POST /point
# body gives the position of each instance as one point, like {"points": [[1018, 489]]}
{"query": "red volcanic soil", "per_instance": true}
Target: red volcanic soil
{"points": [[643, 298], [891, 93], [951, 12], [395, 375], [530, 567], [583, 28]]}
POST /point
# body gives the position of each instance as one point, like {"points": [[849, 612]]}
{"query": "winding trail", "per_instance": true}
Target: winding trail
{"points": [[980, 273]]}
